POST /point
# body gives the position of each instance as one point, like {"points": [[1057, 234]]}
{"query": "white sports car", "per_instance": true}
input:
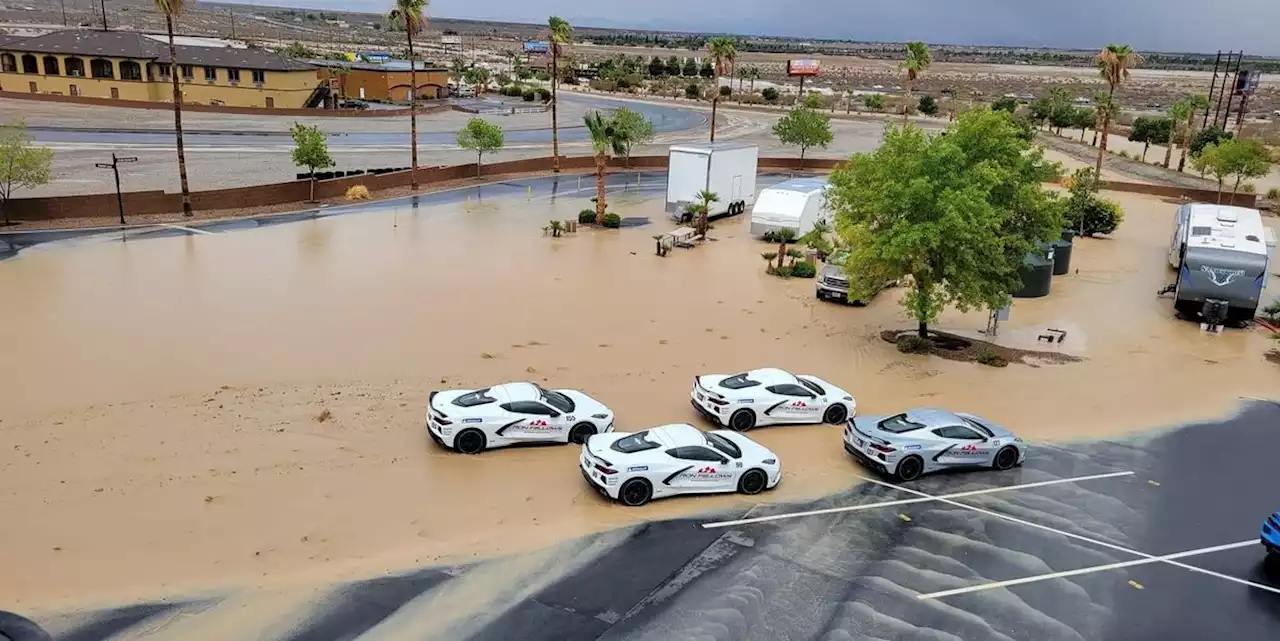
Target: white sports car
{"points": [[471, 421], [676, 459], [769, 396]]}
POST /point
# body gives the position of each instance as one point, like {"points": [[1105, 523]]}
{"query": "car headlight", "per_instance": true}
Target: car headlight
{"points": [[600, 416], [770, 461]]}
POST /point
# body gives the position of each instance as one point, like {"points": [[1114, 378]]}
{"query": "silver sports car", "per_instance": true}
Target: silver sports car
{"points": [[921, 441]]}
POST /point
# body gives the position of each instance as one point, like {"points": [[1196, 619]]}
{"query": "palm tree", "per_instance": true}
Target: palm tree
{"points": [[411, 15], [753, 72], [723, 52], [705, 198], [742, 74], [917, 62], [1178, 112], [1114, 63], [606, 139], [1196, 102], [559, 34], [171, 10]]}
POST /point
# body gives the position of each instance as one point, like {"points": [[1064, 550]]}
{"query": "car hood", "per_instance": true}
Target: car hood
{"points": [[831, 270], [585, 405]]}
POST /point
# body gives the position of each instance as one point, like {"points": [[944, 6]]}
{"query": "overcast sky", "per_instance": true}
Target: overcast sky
{"points": [[1159, 25]]}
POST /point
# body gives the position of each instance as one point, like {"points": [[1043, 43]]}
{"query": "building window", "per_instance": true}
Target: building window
{"points": [[130, 70], [29, 64], [51, 66], [271, 102], [162, 71], [188, 72], [259, 76], [75, 91], [115, 93], [8, 64], [34, 88], [233, 75], [100, 68], [211, 74], [75, 67]]}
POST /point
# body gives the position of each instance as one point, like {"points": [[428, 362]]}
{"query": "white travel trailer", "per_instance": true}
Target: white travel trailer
{"points": [[727, 169], [1222, 255], [794, 204]]}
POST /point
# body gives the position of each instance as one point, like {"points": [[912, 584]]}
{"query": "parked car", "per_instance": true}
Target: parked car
{"points": [[1271, 535], [358, 105], [921, 441], [769, 396], [676, 459], [833, 283], [471, 421]]}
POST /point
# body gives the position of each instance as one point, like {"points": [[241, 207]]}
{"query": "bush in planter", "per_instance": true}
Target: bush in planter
{"points": [[587, 216], [770, 94], [544, 94], [988, 356], [782, 272], [612, 221], [693, 91], [1273, 193], [726, 91], [804, 269], [529, 95], [1272, 311], [1100, 216], [913, 344]]}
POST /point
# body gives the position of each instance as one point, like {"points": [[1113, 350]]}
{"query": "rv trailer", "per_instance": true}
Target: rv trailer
{"points": [[794, 204], [1222, 255]]}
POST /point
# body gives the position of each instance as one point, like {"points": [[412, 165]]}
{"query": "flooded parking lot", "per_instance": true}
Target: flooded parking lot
{"points": [[161, 395]]}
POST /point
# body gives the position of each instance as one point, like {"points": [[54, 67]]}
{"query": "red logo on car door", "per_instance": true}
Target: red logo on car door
{"points": [[798, 404], [707, 470]]}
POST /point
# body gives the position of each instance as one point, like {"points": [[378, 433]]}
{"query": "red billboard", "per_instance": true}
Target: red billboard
{"points": [[802, 67]]}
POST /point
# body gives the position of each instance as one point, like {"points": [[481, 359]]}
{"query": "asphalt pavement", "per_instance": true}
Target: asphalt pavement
{"points": [[1082, 537]]}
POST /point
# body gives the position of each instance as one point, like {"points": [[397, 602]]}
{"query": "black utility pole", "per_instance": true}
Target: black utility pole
{"points": [[64, 13], [232, 10], [1213, 86], [115, 167], [1231, 95], [104, 16]]}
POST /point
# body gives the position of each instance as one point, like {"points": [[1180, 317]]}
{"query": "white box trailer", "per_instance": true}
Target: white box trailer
{"points": [[794, 204], [727, 169]]}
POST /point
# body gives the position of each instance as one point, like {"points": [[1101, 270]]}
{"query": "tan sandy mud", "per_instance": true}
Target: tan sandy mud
{"points": [[159, 431]]}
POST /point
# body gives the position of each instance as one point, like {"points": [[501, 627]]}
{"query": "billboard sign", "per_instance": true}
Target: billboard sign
{"points": [[537, 47], [1247, 81], [451, 40], [802, 67]]}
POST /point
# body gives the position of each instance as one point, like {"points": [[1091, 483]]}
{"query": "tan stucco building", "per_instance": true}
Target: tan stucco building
{"points": [[387, 82], [131, 66]]}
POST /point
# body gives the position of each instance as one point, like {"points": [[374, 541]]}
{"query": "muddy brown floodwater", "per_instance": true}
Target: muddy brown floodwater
{"points": [[160, 428]]}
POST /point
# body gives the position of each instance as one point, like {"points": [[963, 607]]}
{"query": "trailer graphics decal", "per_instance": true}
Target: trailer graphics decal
{"points": [[1221, 276]]}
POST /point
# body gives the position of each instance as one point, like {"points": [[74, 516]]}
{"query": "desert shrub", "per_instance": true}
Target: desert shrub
{"points": [[587, 216], [1272, 311], [357, 192], [770, 94], [692, 91], [612, 221], [769, 257], [988, 356], [1248, 188], [873, 101], [1006, 103], [804, 269], [544, 94], [928, 105], [912, 344], [1273, 193], [544, 76], [529, 95], [1123, 154], [782, 272], [1100, 216], [726, 91]]}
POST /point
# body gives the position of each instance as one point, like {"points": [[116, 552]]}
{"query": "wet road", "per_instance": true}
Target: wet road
{"points": [[666, 119], [855, 575]]}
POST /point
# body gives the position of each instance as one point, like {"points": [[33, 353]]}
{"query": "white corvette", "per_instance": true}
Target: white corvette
{"points": [[676, 459], [471, 421], [770, 396]]}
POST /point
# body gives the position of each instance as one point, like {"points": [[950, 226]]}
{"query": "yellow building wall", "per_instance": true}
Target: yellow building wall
{"points": [[285, 89]]}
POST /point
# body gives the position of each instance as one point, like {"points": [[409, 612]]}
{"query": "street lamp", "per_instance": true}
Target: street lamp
{"points": [[114, 166]]}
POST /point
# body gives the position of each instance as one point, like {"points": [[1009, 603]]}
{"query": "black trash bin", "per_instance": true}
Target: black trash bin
{"points": [[1036, 274], [1062, 253]]}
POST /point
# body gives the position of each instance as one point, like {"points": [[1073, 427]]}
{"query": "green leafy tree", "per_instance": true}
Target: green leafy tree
{"points": [[1083, 118], [171, 10], [1210, 161], [1061, 112], [917, 62], [770, 94], [22, 166], [310, 150], [1147, 130], [814, 100], [753, 74], [298, 50], [559, 36], [1086, 213], [637, 130], [478, 78], [482, 137], [693, 91], [804, 128], [706, 70], [689, 69], [873, 101], [1233, 157], [411, 16], [1195, 102], [952, 215], [607, 139], [1114, 63], [673, 66], [657, 68], [928, 105], [1007, 103]]}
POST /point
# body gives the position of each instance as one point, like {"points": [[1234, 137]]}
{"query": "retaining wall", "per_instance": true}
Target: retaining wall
{"points": [[297, 191], [251, 111]]}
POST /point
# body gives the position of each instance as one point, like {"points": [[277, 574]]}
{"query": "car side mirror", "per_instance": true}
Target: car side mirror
{"points": [[724, 461], [555, 414]]}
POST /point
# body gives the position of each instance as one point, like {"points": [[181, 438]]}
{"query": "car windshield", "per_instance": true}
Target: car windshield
{"points": [[724, 445], [472, 399], [899, 424], [634, 443], [738, 381], [556, 400]]}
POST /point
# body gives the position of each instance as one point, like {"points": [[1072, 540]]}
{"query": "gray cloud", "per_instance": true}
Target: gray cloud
{"points": [[1161, 25]]}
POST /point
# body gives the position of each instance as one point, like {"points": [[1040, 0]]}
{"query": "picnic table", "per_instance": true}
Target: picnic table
{"points": [[678, 237]]}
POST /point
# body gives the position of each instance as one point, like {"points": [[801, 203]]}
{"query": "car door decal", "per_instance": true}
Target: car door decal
{"points": [[667, 481], [940, 454], [774, 407], [504, 428]]}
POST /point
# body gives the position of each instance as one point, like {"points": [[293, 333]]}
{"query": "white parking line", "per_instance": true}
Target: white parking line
{"points": [[191, 230], [1086, 539], [1089, 570], [869, 506]]}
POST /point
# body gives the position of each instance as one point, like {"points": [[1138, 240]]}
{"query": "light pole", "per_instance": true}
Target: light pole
{"points": [[104, 16], [115, 167]]}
